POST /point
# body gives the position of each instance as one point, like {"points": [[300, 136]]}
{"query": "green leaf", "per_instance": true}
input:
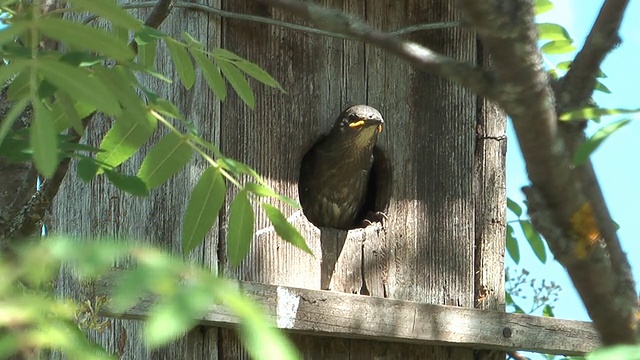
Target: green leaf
{"points": [[79, 84], [190, 40], [87, 169], [240, 228], [9, 33], [542, 6], [182, 61], [147, 35], [147, 54], [176, 315], [220, 53], [257, 73], [601, 87], [594, 113], [69, 111], [238, 167], [512, 245], [547, 311], [591, 144], [43, 141], [514, 207], [79, 36], [20, 86], [618, 352], [121, 83], [131, 184], [534, 239], [125, 138], [238, 82], [557, 47], [121, 33], [9, 70], [205, 203], [110, 10], [211, 74], [284, 229], [12, 115], [165, 159], [260, 190], [547, 31]]}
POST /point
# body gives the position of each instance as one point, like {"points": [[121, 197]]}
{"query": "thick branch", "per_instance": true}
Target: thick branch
{"points": [[562, 199], [422, 57], [577, 86]]}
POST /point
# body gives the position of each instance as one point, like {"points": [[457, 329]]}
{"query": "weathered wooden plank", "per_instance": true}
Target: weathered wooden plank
{"points": [[490, 203], [327, 313]]}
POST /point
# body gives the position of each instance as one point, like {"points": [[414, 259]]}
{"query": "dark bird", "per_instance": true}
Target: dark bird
{"points": [[335, 173]]}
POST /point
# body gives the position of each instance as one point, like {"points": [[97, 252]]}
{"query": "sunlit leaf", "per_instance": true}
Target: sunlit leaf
{"points": [[622, 352], [542, 6], [176, 315], [43, 141], [601, 87], [260, 190], [79, 84], [261, 339], [512, 245], [147, 54], [165, 159], [130, 184], [257, 73], [548, 31], [81, 36], [284, 229], [211, 74], [182, 61], [125, 138], [557, 47], [240, 228], [534, 240], [110, 10], [547, 311], [205, 203], [70, 112], [594, 113], [238, 82], [591, 144], [514, 207]]}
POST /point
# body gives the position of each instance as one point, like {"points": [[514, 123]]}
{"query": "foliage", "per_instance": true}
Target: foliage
{"points": [[66, 87], [98, 73], [182, 291]]}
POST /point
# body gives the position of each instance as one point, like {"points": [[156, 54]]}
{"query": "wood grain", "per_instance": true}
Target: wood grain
{"points": [[334, 314]]}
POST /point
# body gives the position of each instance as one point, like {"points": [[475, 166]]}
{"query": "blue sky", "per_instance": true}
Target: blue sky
{"points": [[616, 161]]}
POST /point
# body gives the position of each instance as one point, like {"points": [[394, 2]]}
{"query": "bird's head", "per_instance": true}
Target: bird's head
{"points": [[357, 126]]}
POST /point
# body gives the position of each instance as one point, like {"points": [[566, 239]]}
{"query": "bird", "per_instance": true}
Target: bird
{"points": [[335, 174]]}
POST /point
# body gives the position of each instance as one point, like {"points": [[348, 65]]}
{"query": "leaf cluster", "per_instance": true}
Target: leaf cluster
{"points": [[180, 294], [98, 72]]}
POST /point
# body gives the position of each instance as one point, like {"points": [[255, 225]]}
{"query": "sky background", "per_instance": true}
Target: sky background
{"points": [[616, 161]]}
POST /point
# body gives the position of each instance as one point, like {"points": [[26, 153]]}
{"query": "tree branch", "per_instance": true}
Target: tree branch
{"points": [[566, 204], [422, 57], [577, 86], [563, 199]]}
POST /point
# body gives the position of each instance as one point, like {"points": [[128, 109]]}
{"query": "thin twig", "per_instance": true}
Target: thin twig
{"points": [[577, 86], [280, 23], [336, 21]]}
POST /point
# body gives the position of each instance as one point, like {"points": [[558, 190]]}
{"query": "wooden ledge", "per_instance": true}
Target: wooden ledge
{"points": [[326, 313]]}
